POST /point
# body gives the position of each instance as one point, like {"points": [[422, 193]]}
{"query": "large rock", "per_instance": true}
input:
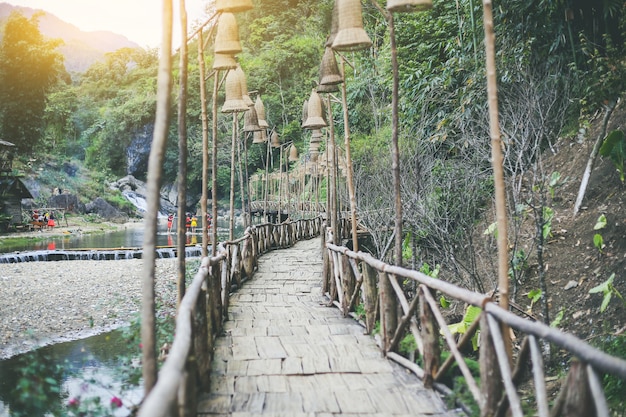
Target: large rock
{"points": [[136, 191], [66, 201], [105, 210]]}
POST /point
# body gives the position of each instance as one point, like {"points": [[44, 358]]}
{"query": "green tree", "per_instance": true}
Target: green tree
{"points": [[30, 66]]}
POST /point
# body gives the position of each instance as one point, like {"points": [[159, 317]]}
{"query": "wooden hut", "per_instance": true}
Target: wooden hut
{"points": [[12, 189]]}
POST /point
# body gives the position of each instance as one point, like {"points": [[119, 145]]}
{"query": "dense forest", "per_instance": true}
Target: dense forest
{"points": [[559, 63]]}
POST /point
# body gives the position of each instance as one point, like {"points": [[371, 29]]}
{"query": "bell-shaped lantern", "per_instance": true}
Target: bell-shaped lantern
{"points": [[328, 88], [233, 6], [409, 6], [224, 62], [250, 121], [334, 26], [275, 140], [260, 112], [316, 136], [259, 136], [314, 113], [329, 71], [293, 153], [227, 37], [244, 87], [350, 34], [234, 101]]}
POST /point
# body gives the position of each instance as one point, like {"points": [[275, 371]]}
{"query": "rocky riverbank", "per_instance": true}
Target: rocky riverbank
{"points": [[47, 302]]}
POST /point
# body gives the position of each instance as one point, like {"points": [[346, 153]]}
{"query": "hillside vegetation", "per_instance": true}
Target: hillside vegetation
{"points": [[561, 65]]}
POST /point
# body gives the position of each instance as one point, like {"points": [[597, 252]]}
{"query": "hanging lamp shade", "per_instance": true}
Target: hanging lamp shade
{"points": [[227, 37], [234, 102], [244, 87], [275, 140], [334, 25], [259, 136], [233, 6], [329, 71], [316, 136], [350, 34], [224, 62], [250, 121], [314, 113], [293, 153], [408, 6], [260, 112], [328, 88]]}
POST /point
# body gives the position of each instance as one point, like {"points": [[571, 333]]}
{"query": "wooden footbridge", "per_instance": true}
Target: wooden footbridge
{"points": [[258, 336]]}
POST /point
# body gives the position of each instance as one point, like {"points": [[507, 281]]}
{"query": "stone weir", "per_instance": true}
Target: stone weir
{"points": [[94, 254]]}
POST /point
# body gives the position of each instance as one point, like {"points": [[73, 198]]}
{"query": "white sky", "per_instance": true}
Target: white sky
{"points": [[138, 20]]}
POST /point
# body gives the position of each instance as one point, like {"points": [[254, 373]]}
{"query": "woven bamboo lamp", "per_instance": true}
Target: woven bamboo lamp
{"points": [[275, 140], [260, 112], [224, 62], [233, 6], [259, 136], [329, 71], [234, 101], [250, 121], [244, 87], [350, 34], [293, 153], [409, 6], [314, 113], [227, 37], [334, 26], [328, 88]]}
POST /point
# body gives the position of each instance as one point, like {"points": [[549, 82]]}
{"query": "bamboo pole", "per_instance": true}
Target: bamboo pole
{"points": [[333, 175], [182, 152], [349, 171], [498, 170], [233, 144], [205, 158], [155, 170], [214, 166]]}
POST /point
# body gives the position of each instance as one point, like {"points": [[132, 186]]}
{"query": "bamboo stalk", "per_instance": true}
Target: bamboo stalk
{"points": [[155, 171]]}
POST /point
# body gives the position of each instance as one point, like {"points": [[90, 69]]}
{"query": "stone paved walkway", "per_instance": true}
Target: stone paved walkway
{"points": [[286, 354]]}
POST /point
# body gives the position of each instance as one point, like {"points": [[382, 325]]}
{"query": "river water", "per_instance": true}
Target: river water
{"points": [[88, 375]]}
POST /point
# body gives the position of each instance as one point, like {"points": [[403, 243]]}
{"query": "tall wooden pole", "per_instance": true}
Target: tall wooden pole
{"points": [[182, 153], [498, 170], [395, 149], [155, 171], [205, 158], [233, 169], [349, 173], [267, 171], [214, 165], [333, 175]]}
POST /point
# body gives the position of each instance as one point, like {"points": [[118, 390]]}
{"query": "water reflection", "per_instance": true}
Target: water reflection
{"points": [[129, 238], [87, 373]]}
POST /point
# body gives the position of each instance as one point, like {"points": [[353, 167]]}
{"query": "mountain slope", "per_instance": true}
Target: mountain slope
{"points": [[81, 48]]}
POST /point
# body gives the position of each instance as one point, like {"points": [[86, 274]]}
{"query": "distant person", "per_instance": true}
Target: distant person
{"points": [[170, 223], [51, 223], [188, 222], [194, 224], [209, 220]]}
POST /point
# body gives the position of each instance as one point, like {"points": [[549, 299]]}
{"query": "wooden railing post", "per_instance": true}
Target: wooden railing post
{"points": [[491, 381], [430, 337], [575, 399], [371, 296], [388, 309], [347, 282]]}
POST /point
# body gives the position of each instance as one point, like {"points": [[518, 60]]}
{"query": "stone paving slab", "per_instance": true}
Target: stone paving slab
{"points": [[284, 353]]}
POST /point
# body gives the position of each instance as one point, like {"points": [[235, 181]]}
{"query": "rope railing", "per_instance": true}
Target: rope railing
{"points": [[204, 308], [384, 290]]}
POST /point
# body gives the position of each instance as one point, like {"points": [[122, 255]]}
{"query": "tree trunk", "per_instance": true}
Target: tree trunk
{"points": [[608, 110]]}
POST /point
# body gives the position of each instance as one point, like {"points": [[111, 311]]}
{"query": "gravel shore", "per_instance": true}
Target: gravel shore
{"points": [[46, 302]]}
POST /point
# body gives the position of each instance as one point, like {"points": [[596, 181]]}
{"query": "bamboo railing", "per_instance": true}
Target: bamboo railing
{"points": [[351, 278], [204, 308]]}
